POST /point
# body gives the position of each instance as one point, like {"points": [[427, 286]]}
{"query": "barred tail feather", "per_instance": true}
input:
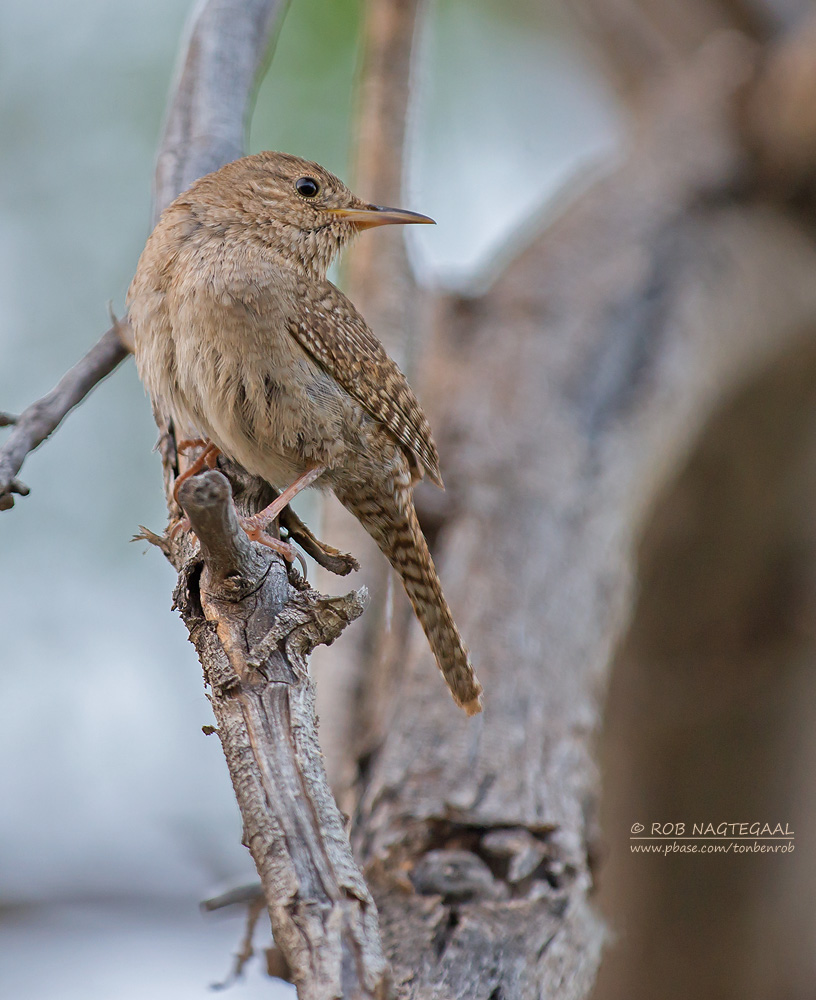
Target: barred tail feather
{"points": [[399, 537]]}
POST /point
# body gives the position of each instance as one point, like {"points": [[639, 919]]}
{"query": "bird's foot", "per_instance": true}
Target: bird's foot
{"points": [[187, 443], [255, 527], [207, 457], [325, 555], [183, 524]]}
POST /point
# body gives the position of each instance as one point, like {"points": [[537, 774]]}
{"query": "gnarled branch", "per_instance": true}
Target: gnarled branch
{"points": [[566, 396], [253, 634]]}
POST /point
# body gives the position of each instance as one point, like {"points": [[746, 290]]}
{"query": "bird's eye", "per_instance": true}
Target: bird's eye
{"points": [[307, 187]]}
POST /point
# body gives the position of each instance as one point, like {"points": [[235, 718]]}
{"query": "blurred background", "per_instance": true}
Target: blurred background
{"points": [[116, 812]]}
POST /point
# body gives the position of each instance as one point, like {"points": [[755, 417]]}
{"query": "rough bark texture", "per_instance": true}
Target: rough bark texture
{"points": [[254, 634]]}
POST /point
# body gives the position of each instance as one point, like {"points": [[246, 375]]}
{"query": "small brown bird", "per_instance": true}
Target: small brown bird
{"points": [[240, 337]]}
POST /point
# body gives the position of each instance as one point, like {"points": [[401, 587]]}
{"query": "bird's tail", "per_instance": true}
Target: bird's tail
{"points": [[395, 528]]}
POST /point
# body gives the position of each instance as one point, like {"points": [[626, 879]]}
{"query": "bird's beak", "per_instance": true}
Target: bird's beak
{"points": [[377, 215]]}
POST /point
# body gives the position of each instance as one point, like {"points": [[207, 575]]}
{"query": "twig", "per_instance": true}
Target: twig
{"points": [[255, 907], [40, 419], [239, 896]]}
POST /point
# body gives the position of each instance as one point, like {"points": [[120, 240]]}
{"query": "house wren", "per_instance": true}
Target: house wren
{"points": [[240, 337]]}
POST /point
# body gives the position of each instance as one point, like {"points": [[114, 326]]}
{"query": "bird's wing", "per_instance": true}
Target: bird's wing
{"points": [[329, 327]]}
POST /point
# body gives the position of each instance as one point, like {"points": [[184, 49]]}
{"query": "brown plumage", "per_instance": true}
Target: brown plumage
{"points": [[240, 337]]}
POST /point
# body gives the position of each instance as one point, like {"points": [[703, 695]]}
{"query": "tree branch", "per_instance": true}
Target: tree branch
{"points": [[607, 341], [253, 635], [227, 44], [40, 419]]}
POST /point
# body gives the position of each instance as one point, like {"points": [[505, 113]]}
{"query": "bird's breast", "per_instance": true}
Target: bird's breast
{"points": [[216, 355], [253, 389]]}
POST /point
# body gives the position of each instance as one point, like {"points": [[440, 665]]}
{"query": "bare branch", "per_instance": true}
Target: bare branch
{"points": [[378, 270], [40, 419], [227, 43], [255, 907], [254, 635], [232, 563], [239, 896]]}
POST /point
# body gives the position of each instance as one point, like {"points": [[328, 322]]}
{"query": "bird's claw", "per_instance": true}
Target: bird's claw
{"points": [[183, 524], [256, 532], [187, 443]]}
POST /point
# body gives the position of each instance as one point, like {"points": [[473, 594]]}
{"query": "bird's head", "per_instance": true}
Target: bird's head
{"points": [[295, 207]]}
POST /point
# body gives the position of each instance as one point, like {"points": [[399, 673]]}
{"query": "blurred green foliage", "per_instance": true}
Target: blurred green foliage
{"points": [[305, 103]]}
